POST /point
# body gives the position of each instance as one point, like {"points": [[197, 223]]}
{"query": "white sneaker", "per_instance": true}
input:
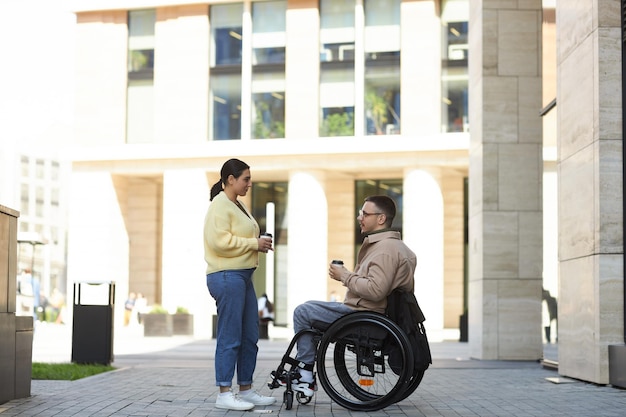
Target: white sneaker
{"points": [[256, 398], [232, 402], [306, 388]]}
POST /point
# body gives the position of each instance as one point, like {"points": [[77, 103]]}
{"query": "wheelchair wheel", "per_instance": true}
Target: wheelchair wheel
{"points": [[353, 361], [411, 387]]}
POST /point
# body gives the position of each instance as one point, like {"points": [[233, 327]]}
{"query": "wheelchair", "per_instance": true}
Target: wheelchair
{"points": [[364, 362]]}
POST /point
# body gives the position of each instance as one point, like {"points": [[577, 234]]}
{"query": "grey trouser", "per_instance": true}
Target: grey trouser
{"points": [[303, 317]]}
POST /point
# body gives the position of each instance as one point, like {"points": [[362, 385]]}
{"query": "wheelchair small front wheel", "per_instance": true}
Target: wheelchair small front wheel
{"points": [[364, 361], [288, 399], [303, 399]]}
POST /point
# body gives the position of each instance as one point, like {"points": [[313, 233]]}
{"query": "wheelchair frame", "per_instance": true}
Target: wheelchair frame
{"points": [[364, 362]]}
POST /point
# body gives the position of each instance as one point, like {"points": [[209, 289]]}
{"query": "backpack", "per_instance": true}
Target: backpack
{"points": [[403, 309]]}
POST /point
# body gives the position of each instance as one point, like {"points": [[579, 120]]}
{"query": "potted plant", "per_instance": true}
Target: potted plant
{"points": [[182, 322], [158, 322]]}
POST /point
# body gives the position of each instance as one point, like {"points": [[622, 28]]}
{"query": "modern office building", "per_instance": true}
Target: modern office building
{"points": [[329, 101]]}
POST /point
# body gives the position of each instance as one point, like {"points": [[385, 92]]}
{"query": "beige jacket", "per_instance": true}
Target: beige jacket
{"points": [[384, 263]]}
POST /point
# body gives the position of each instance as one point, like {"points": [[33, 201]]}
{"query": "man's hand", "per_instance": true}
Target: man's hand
{"points": [[336, 271]]}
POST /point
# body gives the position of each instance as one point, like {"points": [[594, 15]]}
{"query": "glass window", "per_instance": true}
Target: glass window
{"points": [[24, 199], [263, 193], [382, 26], [268, 32], [226, 34], [382, 67], [382, 100], [455, 99], [337, 102], [268, 106], [336, 30], [141, 42], [226, 106], [24, 162], [454, 83], [365, 188]]}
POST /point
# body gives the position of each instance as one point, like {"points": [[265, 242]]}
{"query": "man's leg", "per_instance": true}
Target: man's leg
{"points": [[303, 317]]}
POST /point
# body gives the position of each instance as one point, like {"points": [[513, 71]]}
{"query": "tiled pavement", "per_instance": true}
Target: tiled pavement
{"points": [[174, 377]]}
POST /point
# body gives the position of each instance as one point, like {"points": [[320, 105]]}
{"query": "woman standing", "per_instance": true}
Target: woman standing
{"points": [[231, 251]]}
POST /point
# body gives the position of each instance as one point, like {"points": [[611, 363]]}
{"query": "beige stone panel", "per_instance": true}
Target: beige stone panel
{"points": [[575, 19], [302, 112], [500, 110], [420, 72], [609, 202], [519, 47], [501, 245], [489, 43], [609, 76], [608, 13], [500, 4], [483, 319], [454, 252], [341, 224], [490, 177], [101, 78], [576, 100], [530, 123], [530, 244], [577, 194], [519, 177], [144, 229], [476, 249], [519, 320], [590, 315], [181, 82]]}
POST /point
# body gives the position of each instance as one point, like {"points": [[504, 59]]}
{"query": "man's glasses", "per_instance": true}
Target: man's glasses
{"points": [[363, 213]]}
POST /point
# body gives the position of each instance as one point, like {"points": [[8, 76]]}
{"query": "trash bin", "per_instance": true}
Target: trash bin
{"points": [[92, 331]]}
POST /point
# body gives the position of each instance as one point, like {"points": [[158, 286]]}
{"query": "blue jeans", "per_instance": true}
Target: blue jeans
{"points": [[303, 317], [237, 325]]}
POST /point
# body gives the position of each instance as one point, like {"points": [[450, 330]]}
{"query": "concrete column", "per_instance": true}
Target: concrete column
{"points": [[589, 172], [308, 215], [505, 213], [98, 243], [185, 201], [423, 233]]}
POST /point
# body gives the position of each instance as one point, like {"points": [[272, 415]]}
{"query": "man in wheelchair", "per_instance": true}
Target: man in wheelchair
{"points": [[384, 263]]}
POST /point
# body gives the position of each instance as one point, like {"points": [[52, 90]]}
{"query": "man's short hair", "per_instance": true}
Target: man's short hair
{"points": [[384, 204]]}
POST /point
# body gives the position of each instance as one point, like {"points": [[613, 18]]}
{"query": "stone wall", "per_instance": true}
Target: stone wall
{"points": [[16, 333]]}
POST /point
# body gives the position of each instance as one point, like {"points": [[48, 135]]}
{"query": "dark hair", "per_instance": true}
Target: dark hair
{"points": [[234, 167], [386, 205]]}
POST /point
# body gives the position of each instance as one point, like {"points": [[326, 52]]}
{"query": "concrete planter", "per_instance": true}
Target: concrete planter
{"points": [[182, 324], [156, 324]]}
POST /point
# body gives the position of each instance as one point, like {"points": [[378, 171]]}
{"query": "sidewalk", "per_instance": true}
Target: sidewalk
{"points": [[174, 377]]}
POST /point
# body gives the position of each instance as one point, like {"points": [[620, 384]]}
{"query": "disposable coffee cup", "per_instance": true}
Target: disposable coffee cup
{"points": [[267, 236], [337, 262]]}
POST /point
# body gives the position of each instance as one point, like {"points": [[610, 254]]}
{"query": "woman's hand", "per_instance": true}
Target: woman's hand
{"points": [[265, 244]]}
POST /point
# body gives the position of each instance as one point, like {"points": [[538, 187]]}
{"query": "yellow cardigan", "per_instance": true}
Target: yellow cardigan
{"points": [[230, 237]]}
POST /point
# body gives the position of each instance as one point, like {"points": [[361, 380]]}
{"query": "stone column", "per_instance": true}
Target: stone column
{"points": [[590, 186], [185, 202], [423, 233], [505, 214], [307, 221]]}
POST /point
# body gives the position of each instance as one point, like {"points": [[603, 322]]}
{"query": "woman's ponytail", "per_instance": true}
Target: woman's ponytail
{"points": [[216, 189]]}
